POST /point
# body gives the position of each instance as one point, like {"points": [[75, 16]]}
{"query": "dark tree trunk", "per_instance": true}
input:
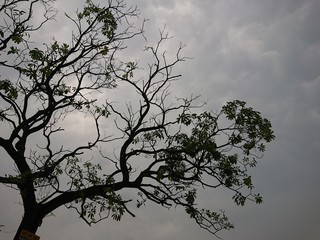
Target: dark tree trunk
{"points": [[29, 222]]}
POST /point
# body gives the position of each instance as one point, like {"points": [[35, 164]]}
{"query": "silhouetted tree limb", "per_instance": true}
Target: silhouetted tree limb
{"points": [[164, 147]]}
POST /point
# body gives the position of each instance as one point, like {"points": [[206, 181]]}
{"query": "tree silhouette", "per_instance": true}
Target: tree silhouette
{"points": [[164, 148]]}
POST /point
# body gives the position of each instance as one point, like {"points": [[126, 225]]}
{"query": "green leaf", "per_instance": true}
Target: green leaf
{"points": [[191, 196], [247, 181], [17, 38], [104, 50], [36, 54], [258, 198], [13, 50], [9, 89]]}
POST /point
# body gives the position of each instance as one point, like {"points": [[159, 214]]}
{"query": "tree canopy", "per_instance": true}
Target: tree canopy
{"points": [[161, 146]]}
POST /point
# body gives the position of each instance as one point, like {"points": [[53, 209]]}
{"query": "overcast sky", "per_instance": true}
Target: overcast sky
{"points": [[265, 52]]}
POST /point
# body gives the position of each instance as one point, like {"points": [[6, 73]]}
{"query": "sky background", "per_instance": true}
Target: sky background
{"points": [[266, 53]]}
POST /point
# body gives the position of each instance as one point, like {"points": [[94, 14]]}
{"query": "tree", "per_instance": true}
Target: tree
{"points": [[162, 150]]}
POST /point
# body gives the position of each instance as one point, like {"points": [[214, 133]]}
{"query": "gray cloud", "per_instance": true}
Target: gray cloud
{"points": [[264, 52]]}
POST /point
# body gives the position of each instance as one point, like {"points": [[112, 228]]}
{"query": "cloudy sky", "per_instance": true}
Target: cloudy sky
{"points": [[266, 53]]}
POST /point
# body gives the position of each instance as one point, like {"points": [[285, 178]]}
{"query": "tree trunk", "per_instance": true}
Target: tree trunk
{"points": [[29, 222]]}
